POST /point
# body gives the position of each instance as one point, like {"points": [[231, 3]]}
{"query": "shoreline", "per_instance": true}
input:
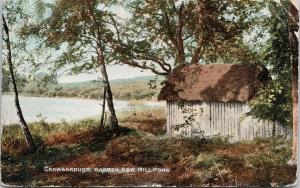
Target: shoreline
{"points": [[52, 117], [81, 98]]}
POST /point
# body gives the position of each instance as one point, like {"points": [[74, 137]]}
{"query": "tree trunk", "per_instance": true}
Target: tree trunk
{"points": [[109, 98], [273, 134], [293, 27], [181, 53], [273, 129], [295, 106], [100, 58], [103, 107], [24, 127]]}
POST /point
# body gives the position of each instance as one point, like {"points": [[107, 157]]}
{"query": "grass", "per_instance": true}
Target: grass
{"points": [[41, 131], [192, 161], [149, 120]]}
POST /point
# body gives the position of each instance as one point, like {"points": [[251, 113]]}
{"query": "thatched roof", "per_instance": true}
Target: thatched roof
{"points": [[214, 82]]}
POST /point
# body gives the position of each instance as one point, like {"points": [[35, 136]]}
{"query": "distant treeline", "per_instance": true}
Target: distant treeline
{"points": [[94, 90], [46, 86]]}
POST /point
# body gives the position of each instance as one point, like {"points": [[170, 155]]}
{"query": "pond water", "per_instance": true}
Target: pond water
{"points": [[58, 109]]}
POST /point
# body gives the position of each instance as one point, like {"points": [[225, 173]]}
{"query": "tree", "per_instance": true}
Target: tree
{"points": [[40, 83], [97, 33], [5, 80], [279, 100], [24, 126], [164, 34], [273, 101], [81, 32]]}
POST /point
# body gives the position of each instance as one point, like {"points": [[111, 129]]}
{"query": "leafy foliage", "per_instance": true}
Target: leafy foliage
{"points": [[163, 34], [66, 28], [273, 102]]}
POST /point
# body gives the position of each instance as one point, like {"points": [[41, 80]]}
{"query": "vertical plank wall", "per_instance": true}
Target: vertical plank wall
{"points": [[219, 118]]}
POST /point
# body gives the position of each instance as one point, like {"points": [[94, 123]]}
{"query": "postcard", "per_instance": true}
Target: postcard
{"points": [[189, 93]]}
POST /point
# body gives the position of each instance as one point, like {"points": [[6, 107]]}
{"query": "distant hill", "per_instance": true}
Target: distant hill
{"points": [[139, 79]]}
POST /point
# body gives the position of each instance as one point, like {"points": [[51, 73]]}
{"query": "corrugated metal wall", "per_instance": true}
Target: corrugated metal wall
{"points": [[218, 118]]}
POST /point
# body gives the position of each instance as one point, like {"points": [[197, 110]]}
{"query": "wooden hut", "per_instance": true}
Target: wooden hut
{"points": [[213, 99]]}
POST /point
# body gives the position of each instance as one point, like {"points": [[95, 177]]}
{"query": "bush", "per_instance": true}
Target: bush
{"points": [[206, 160]]}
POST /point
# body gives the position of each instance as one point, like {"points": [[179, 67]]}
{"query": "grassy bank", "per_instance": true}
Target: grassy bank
{"points": [[192, 161]]}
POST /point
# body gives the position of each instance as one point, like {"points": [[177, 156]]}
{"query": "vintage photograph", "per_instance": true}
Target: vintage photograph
{"points": [[198, 93]]}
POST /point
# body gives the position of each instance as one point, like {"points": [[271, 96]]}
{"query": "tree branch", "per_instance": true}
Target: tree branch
{"points": [[169, 31], [114, 23], [161, 63], [144, 66]]}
